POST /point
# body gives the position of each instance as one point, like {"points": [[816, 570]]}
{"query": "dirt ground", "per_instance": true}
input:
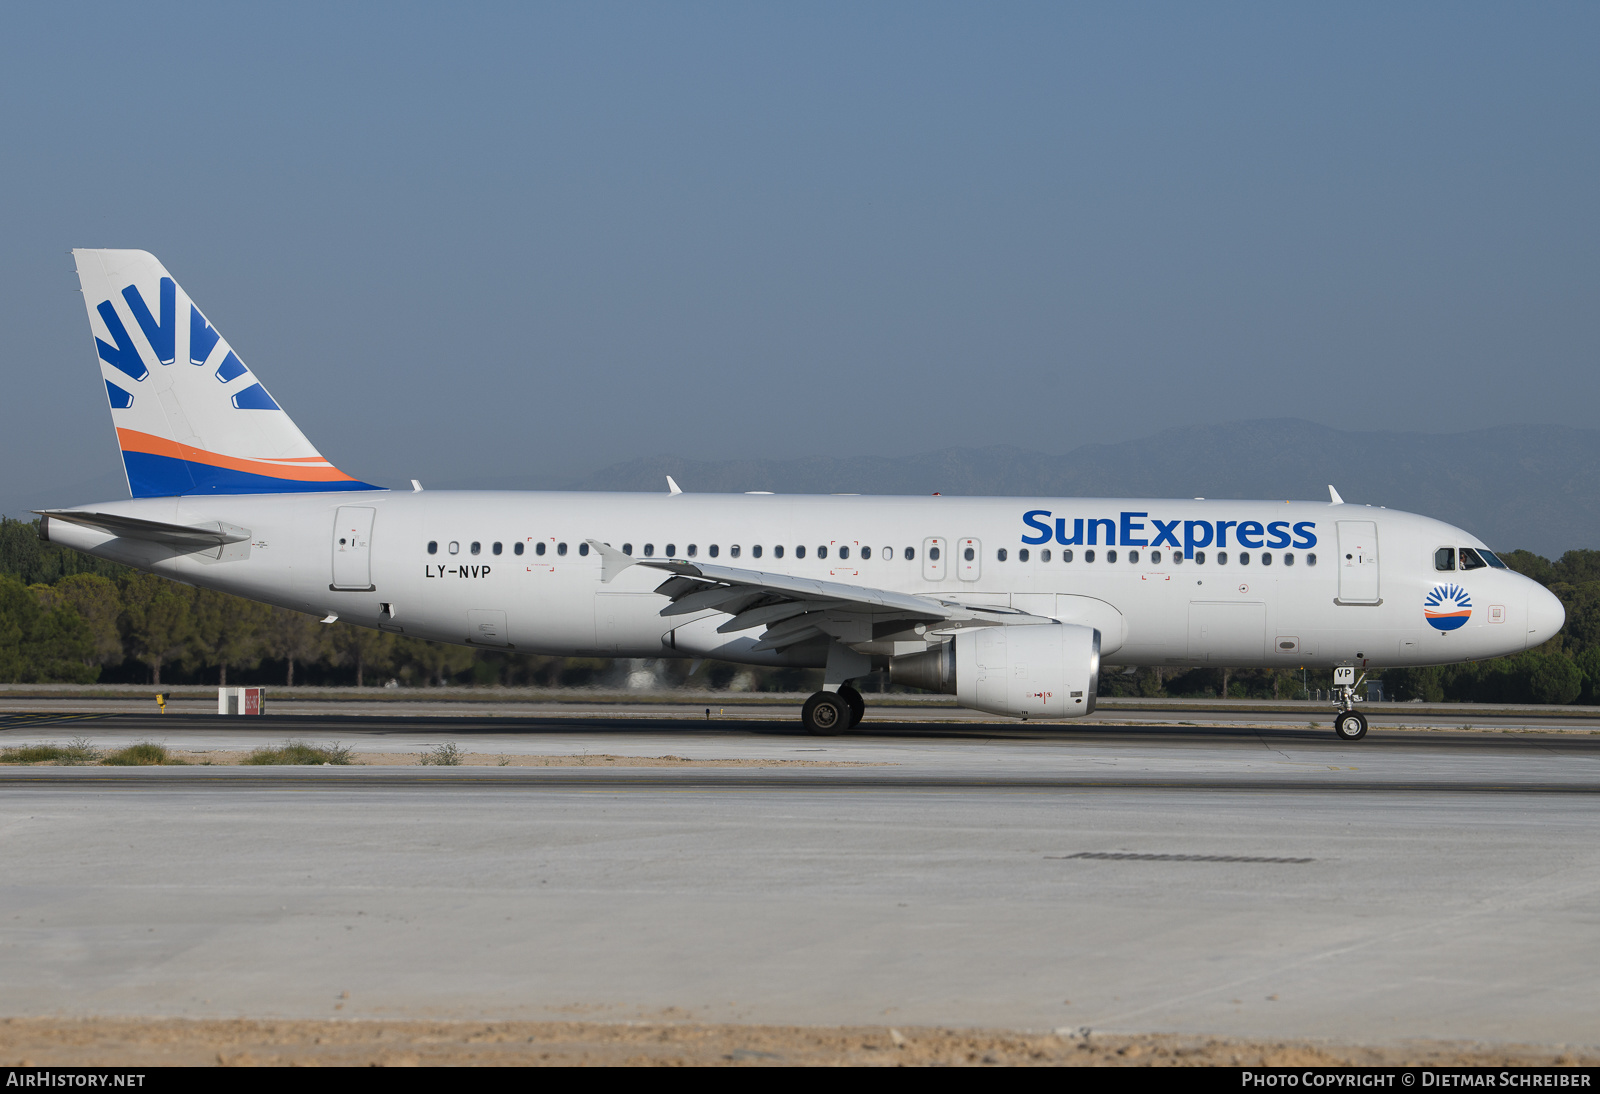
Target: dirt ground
{"points": [[489, 759], [219, 758], [149, 1042]]}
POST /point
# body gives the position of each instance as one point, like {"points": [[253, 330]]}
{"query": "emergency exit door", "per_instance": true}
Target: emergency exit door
{"points": [[352, 548], [1358, 562]]}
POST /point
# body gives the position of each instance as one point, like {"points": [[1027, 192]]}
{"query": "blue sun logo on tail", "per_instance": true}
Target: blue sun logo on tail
{"points": [[1447, 607]]}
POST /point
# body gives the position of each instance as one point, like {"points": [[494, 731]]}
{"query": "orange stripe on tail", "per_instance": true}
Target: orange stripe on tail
{"points": [[132, 440]]}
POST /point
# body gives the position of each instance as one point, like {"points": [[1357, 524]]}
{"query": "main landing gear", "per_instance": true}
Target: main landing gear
{"points": [[1349, 724], [829, 712]]}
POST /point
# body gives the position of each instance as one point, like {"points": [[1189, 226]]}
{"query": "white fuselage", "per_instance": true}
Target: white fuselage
{"points": [[1323, 585]]}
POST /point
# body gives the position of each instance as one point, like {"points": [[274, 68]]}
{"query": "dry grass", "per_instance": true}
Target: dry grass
{"points": [[143, 754], [301, 753], [135, 1042]]}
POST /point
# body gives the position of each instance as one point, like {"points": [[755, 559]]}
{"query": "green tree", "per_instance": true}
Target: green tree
{"points": [[157, 620], [1588, 662], [25, 556], [1553, 678], [363, 648], [1404, 685], [230, 632], [294, 637], [435, 662], [40, 644], [99, 604], [1578, 567], [1526, 562]]}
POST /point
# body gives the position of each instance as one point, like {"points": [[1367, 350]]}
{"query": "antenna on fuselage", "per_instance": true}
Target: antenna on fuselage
{"points": [[672, 487], [1333, 496]]}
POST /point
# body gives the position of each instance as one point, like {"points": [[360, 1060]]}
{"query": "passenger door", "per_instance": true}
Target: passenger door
{"points": [[1358, 562], [352, 548]]}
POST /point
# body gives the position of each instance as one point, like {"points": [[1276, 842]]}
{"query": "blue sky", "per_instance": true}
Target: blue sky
{"points": [[476, 241]]}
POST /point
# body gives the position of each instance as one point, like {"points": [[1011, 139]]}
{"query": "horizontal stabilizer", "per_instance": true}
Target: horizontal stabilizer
{"points": [[214, 533]]}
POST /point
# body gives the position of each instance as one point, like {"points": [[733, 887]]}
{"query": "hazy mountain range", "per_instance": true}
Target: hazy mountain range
{"points": [[1536, 487]]}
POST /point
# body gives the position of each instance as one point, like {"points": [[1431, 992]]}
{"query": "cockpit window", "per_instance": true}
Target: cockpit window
{"points": [[1470, 559], [1444, 558], [1492, 559]]}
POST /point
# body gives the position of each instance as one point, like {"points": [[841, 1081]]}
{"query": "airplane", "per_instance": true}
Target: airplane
{"points": [[1009, 604]]}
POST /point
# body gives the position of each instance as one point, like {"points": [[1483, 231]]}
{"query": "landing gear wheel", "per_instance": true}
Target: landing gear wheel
{"points": [[1350, 726], [825, 713], [857, 705]]}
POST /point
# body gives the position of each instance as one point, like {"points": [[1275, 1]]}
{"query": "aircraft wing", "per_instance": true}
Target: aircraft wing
{"points": [[798, 609]]}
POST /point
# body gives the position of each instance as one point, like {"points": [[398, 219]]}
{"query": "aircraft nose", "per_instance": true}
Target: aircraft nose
{"points": [[1545, 615]]}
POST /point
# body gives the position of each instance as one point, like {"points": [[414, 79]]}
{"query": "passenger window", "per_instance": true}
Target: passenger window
{"points": [[1288, 559], [800, 552], [933, 553], [672, 550], [627, 549], [1177, 558], [496, 548], [1088, 556], [888, 554], [1155, 558], [538, 548], [968, 554], [822, 552], [755, 552], [1222, 558], [911, 554], [1133, 556], [1311, 558], [649, 550], [1111, 556], [693, 550], [561, 548], [1266, 558], [1470, 559], [1066, 556], [864, 553], [734, 551], [712, 550], [433, 546], [1244, 558], [1000, 555], [477, 548], [777, 552], [583, 548], [844, 552], [516, 548], [1199, 558], [1022, 555], [455, 547], [1444, 558], [1044, 555]]}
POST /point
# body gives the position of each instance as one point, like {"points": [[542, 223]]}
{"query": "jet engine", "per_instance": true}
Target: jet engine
{"points": [[1043, 671]]}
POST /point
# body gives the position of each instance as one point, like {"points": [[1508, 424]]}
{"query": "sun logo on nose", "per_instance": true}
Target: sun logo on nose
{"points": [[1447, 607]]}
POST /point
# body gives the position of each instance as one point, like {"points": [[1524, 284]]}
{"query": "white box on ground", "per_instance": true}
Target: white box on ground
{"points": [[238, 700]]}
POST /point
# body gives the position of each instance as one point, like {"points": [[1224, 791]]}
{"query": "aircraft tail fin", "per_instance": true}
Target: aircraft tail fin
{"points": [[191, 418]]}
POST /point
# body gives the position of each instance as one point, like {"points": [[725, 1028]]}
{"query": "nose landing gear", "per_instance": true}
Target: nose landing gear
{"points": [[1349, 724]]}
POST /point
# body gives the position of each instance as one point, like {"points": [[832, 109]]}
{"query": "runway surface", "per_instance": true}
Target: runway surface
{"points": [[1210, 879]]}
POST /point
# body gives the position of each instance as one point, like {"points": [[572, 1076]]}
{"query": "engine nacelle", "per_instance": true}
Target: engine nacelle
{"points": [[1043, 671]]}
